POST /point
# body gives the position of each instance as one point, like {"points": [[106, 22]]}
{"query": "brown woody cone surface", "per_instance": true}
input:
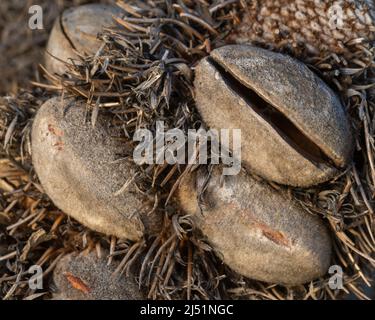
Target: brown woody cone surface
{"points": [[80, 170], [307, 26], [259, 232]]}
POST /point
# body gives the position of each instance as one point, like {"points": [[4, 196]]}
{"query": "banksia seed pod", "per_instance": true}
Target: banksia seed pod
{"points": [[307, 26], [259, 232], [294, 128], [78, 167], [75, 32], [88, 277]]}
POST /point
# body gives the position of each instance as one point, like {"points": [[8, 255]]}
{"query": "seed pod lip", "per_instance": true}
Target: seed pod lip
{"points": [[261, 145], [74, 34], [253, 58], [78, 22], [61, 27], [264, 108]]}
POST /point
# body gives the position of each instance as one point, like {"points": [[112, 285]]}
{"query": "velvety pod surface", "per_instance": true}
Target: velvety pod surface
{"points": [[88, 277], [258, 231], [80, 170]]}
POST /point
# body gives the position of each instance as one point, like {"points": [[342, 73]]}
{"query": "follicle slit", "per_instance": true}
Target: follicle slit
{"points": [[284, 127]]}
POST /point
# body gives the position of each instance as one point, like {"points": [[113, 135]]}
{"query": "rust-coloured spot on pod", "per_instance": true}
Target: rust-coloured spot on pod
{"points": [[77, 283]]}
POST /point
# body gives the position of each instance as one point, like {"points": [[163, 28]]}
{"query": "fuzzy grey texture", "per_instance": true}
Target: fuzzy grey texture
{"points": [[292, 89], [79, 168], [87, 277], [259, 232], [76, 30]]}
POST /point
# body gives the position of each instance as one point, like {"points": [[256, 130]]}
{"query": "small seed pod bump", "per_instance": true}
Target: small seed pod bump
{"points": [[75, 31], [87, 277], [258, 231], [80, 170], [294, 128]]}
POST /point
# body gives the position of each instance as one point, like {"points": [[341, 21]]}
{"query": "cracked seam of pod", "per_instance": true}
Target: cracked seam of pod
{"points": [[294, 128]]}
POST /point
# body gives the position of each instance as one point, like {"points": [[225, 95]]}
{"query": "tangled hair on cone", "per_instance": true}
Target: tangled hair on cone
{"points": [[142, 74]]}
